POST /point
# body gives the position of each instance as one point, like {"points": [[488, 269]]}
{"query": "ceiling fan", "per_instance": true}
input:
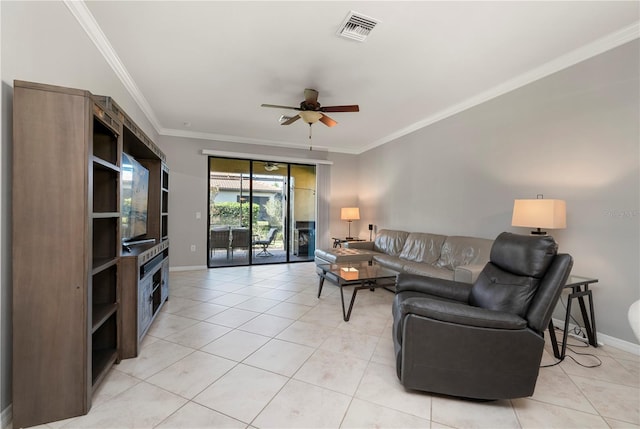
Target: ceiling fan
{"points": [[271, 166], [311, 111]]}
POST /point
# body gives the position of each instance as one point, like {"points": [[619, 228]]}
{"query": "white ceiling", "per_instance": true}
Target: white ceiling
{"points": [[202, 69]]}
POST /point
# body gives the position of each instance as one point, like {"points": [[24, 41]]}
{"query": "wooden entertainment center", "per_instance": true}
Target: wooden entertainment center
{"points": [[81, 300]]}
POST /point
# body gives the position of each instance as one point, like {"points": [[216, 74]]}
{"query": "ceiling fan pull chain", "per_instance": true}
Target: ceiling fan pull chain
{"points": [[310, 143]]}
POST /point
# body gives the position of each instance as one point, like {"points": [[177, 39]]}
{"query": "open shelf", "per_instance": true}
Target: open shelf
{"points": [[104, 346], [105, 142], [101, 312], [105, 241], [101, 362]]}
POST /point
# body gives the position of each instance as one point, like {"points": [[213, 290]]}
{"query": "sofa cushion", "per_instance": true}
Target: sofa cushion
{"points": [[499, 290], [422, 247], [458, 250], [390, 241], [427, 270]]}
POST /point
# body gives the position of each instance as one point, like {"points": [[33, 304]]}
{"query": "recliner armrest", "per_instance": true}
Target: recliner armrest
{"points": [[366, 245], [442, 288], [461, 314]]}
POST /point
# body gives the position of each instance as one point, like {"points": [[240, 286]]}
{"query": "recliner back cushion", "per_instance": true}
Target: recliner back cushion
{"points": [[390, 241], [526, 255], [422, 247], [496, 289], [458, 251]]}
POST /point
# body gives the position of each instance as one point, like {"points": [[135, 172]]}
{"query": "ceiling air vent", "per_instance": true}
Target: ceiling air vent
{"points": [[357, 26]]}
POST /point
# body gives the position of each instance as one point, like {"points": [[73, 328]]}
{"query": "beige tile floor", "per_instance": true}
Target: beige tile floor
{"points": [[255, 348]]}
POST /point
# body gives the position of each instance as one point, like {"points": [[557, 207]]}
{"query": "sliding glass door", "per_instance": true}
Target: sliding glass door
{"points": [[269, 194], [260, 212]]}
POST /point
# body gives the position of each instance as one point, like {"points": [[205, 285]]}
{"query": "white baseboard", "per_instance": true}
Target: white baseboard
{"points": [[189, 268], [6, 417], [604, 339]]}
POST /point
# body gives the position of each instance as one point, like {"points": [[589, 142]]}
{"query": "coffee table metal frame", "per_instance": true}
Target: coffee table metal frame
{"points": [[368, 275]]}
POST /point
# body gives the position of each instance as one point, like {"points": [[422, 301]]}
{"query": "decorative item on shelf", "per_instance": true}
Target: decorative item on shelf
{"points": [[350, 214], [539, 213]]}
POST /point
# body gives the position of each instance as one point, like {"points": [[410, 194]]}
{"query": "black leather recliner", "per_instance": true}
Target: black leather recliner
{"points": [[483, 340]]}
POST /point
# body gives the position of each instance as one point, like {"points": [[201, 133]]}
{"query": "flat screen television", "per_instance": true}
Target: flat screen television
{"points": [[135, 199]]}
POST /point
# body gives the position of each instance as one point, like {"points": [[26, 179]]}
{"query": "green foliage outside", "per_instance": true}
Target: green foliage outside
{"points": [[228, 213], [274, 212]]}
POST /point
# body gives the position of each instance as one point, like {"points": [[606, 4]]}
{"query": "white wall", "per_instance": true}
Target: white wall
{"points": [[573, 135]]}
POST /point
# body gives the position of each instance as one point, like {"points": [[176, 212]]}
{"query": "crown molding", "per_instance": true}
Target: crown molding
{"points": [[237, 139], [606, 43], [261, 157], [90, 26], [82, 14]]}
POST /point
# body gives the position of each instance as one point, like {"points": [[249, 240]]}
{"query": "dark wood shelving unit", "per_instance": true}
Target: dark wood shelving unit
{"points": [[72, 310]]}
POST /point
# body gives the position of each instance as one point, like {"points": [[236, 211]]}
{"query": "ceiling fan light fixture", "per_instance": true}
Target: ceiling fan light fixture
{"points": [[310, 116]]}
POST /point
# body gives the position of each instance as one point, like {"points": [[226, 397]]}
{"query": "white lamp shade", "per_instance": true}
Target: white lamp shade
{"points": [[539, 213], [350, 213]]}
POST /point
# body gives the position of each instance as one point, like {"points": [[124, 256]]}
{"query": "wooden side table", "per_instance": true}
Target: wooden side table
{"points": [[337, 241], [579, 289]]}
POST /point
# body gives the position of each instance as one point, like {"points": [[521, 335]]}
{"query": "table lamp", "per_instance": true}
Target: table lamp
{"points": [[350, 214], [539, 213]]}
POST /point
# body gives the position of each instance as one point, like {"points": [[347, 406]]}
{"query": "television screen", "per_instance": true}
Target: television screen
{"points": [[135, 197]]}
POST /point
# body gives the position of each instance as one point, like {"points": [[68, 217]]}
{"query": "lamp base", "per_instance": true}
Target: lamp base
{"points": [[538, 232]]}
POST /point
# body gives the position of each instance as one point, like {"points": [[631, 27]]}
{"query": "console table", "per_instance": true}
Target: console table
{"points": [[579, 289]]}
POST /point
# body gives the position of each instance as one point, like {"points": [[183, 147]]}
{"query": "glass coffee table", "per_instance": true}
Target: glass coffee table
{"points": [[363, 275]]}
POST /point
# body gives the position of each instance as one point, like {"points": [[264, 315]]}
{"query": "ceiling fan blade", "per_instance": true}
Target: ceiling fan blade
{"points": [[328, 121], [276, 106], [349, 108], [290, 120], [310, 95]]}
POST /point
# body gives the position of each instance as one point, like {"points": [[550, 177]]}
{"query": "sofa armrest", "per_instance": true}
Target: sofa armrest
{"points": [[461, 314], [366, 245], [467, 273], [442, 288]]}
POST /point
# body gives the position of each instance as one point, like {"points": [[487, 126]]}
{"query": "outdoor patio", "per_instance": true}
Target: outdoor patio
{"points": [[218, 258]]}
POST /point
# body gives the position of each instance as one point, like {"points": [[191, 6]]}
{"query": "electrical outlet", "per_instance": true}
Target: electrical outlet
{"points": [[193, 247], [198, 215]]}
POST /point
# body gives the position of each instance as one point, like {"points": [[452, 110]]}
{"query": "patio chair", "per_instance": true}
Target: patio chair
{"points": [[266, 243], [240, 239], [219, 239]]}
